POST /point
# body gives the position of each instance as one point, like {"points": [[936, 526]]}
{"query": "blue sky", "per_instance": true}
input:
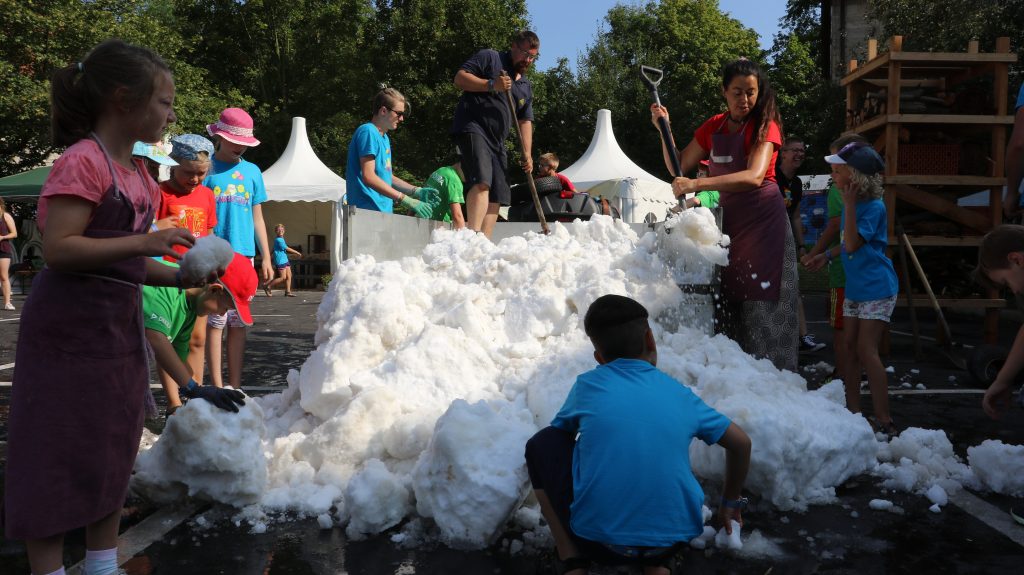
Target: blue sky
{"points": [[567, 27]]}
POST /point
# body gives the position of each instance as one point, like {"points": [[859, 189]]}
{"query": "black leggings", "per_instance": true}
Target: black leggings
{"points": [[549, 463]]}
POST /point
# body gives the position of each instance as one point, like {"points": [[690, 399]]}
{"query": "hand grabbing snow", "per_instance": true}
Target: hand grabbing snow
{"points": [[732, 540], [206, 260]]}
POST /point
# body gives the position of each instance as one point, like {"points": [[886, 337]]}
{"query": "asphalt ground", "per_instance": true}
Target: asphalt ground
{"points": [[972, 535]]}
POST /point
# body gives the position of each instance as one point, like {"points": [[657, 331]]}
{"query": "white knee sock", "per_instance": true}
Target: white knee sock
{"points": [[58, 571], [102, 562]]}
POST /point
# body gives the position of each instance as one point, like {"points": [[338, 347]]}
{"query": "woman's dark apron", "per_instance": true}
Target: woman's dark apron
{"points": [[759, 284], [5, 244], [80, 379]]}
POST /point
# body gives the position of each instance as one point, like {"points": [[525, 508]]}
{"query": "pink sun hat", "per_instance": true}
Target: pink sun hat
{"points": [[235, 126]]}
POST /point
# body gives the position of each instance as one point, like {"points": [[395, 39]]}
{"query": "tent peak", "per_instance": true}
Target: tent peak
{"points": [[604, 159], [299, 174]]}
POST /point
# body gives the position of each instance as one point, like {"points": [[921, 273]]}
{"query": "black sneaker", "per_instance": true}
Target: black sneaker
{"points": [[808, 345]]}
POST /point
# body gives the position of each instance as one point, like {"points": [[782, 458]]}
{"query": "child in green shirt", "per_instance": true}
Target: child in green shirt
{"points": [[706, 198], [169, 314]]}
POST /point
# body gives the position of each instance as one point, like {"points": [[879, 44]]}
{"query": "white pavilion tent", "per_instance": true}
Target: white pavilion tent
{"points": [[302, 194], [605, 170]]}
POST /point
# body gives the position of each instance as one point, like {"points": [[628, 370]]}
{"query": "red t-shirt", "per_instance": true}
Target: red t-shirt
{"points": [[566, 183], [82, 171], [715, 125], [196, 211]]}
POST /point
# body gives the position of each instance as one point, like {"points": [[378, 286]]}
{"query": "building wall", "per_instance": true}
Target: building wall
{"points": [[851, 30]]}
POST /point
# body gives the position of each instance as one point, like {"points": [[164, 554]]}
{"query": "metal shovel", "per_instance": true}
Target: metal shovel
{"points": [[652, 77]]}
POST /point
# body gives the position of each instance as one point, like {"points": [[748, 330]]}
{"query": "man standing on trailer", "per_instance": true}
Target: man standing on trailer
{"points": [[482, 122]]}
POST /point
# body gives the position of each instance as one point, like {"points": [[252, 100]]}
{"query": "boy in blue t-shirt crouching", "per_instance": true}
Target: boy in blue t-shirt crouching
{"points": [[612, 472]]}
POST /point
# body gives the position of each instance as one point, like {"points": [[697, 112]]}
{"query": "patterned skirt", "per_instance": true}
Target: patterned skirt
{"points": [[768, 329]]}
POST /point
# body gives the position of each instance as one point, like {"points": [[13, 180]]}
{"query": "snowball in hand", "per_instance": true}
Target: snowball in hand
{"points": [[732, 540], [205, 258]]}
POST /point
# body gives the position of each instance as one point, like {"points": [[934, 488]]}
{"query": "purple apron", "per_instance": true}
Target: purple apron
{"points": [[80, 378], [755, 221]]}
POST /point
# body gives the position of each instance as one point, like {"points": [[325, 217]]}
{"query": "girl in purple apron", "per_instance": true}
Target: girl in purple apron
{"points": [[81, 373], [759, 284]]}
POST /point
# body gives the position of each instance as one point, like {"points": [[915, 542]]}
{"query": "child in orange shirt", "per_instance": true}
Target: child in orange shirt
{"points": [[186, 203]]}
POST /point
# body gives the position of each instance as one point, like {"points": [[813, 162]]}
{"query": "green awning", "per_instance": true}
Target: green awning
{"points": [[24, 185]]}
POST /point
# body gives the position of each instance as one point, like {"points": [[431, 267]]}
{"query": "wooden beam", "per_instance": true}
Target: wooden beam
{"points": [[941, 241], [944, 119], [921, 300], [972, 47], [895, 44], [872, 49], [942, 207], [852, 66], [952, 58], [926, 180], [864, 70]]}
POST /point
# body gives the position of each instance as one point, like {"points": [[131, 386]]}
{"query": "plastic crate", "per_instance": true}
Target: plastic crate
{"points": [[928, 159]]}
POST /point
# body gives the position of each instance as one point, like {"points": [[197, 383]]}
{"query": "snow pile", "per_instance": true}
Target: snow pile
{"points": [[785, 422], [918, 459], [430, 373], [466, 495], [208, 453], [998, 466], [694, 245]]}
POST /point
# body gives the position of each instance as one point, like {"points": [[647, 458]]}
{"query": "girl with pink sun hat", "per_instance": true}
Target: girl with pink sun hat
{"points": [[238, 193]]}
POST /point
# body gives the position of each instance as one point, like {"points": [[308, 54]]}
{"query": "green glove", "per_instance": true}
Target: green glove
{"points": [[429, 195], [421, 209]]}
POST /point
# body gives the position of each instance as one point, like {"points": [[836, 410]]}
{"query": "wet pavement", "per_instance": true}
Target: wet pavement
{"points": [[846, 537]]}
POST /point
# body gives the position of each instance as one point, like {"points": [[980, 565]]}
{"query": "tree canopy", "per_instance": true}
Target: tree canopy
{"points": [[325, 59]]}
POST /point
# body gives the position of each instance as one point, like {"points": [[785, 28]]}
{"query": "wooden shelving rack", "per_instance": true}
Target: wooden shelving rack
{"points": [[875, 92]]}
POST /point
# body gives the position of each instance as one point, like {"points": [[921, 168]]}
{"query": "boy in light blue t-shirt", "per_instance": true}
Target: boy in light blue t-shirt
{"points": [[622, 491]]}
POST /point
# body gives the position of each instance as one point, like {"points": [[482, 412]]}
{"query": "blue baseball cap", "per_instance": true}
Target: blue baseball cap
{"points": [[153, 152], [860, 156]]}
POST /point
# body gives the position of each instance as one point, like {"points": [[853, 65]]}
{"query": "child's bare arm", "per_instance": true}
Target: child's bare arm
{"points": [[65, 248], [997, 396], [267, 271], [737, 462], [167, 359]]}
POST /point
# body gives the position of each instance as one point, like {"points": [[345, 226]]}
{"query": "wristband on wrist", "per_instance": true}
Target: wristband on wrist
{"points": [[177, 280], [189, 390], [828, 255], [740, 503]]}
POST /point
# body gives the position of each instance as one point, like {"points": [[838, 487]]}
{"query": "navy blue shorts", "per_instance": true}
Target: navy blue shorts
{"points": [[482, 166]]}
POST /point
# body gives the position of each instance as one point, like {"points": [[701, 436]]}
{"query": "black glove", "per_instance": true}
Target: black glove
{"points": [[222, 397]]}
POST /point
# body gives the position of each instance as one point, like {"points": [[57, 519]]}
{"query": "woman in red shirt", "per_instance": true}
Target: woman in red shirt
{"points": [[741, 144]]}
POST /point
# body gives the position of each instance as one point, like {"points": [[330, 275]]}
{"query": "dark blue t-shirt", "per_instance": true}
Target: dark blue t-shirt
{"points": [[485, 113]]}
